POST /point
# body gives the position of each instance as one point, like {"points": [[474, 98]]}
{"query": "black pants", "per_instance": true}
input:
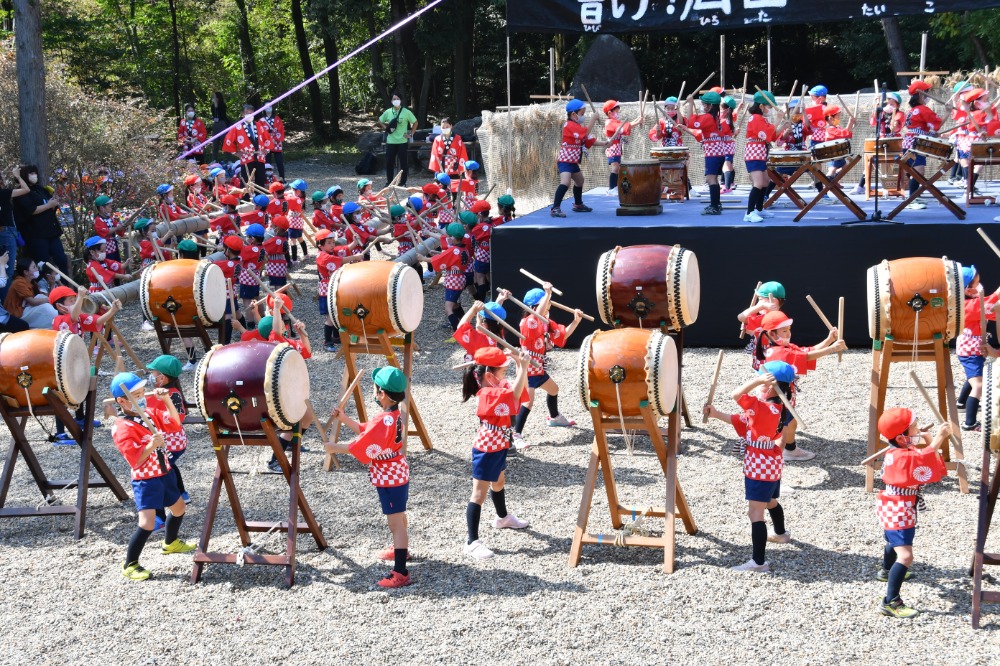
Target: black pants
{"points": [[259, 175], [278, 160], [49, 250], [14, 325], [394, 151]]}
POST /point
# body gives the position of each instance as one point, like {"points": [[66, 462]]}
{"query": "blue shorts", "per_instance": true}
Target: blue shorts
{"points": [[324, 305], [973, 365], [713, 165], [755, 165], [251, 291], [175, 455], [761, 491], [295, 233], [900, 537], [229, 306], [157, 493], [538, 380], [453, 295], [963, 154], [729, 158], [917, 160], [613, 160], [488, 466], [277, 281], [838, 164], [786, 170], [481, 267], [567, 167], [393, 499]]}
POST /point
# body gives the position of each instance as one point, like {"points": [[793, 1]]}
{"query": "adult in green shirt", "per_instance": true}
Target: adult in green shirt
{"points": [[399, 124]]}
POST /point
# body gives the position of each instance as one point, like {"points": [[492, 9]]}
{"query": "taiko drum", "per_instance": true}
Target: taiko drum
{"points": [[183, 291], [622, 369], [915, 299], [34, 360], [639, 185], [371, 296], [649, 286]]}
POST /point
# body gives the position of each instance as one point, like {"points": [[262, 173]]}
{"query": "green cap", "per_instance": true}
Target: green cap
{"points": [[389, 379], [958, 87], [102, 200], [364, 182], [318, 196], [187, 245], [455, 230], [142, 223], [396, 211], [895, 96], [166, 364], [264, 326], [729, 101], [772, 288], [505, 200], [711, 97], [468, 218], [764, 97]]}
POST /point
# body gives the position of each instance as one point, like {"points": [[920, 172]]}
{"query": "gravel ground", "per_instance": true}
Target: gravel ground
{"points": [[524, 606]]}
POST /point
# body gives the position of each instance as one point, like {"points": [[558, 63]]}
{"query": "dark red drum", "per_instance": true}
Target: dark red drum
{"points": [[649, 286]]}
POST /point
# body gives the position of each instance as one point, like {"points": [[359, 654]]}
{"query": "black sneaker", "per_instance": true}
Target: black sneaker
{"points": [[960, 405], [712, 210], [556, 212], [273, 467], [582, 208], [975, 427]]}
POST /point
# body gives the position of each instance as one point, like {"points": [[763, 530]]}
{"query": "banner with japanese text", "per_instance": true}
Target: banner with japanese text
{"points": [[617, 16]]}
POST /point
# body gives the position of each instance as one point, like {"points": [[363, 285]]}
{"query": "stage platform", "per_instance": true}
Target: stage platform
{"points": [[818, 256]]}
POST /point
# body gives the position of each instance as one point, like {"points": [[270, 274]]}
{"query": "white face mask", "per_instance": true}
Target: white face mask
{"points": [[34, 275], [101, 256], [32, 178], [268, 110], [397, 103], [446, 131], [154, 235], [190, 114], [170, 198], [248, 117]]}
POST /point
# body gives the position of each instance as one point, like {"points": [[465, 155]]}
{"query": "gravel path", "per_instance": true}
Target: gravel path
{"points": [[65, 602]]}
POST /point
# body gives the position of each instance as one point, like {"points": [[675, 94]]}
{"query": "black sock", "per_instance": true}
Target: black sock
{"points": [[400, 561], [777, 519], [954, 170], [612, 181], [522, 416], [499, 498], [975, 177], [227, 333], [888, 557], [453, 319], [758, 534], [180, 481], [481, 291], [818, 186], [305, 248], [577, 195], [963, 395], [728, 177], [715, 195], [560, 193], [135, 545], [473, 512], [767, 192], [552, 402], [790, 446], [173, 527], [752, 200], [295, 252], [328, 334], [161, 514], [896, 576], [861, 183], [971, 410]]}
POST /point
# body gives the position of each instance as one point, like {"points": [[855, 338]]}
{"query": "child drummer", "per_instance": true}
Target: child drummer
{"points": [[971, 343], [575, 140], [617, 134]]}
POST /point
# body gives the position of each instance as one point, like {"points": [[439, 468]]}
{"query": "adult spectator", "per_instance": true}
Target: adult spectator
{"points": [[251, 142], [8, 322], [399, 124], [220, 122], [35, 213], [8, 231], [276, 127], [25, 301]]}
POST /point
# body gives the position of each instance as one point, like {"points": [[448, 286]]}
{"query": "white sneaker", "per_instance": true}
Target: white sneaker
{"points": [[612, 191], [753, 217], [798, 454], [766, 214], [519, 442], [857, 190], [478, 551], [750, 565], [561, 422], [510, 521], [779, 538], [917, 205], [147, 326], [188, 367]]}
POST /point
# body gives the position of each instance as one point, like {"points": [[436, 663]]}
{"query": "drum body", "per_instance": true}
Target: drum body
{"points": [[639, 185], [991, 407], [931, 146], [370, 296], [892, 145], [619, 369], [183, 290], [649, 286], [33, 360], [916, 298], [240, 384], [670, 154], [791, 158], [831, 150], [986, 152]]}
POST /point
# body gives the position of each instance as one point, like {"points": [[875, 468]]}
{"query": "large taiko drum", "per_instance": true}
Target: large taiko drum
{"points": [[991, 407], [183, 290], [985, 152], [35, 360], [915, 299], [649, 286], [372, 296], [788, 158], [639, 185], [931, 146], [622, 368], [831, 150], [891, 145], [241, 384]]}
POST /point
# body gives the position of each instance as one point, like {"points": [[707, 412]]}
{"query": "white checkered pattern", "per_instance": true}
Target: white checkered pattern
{"points": [[570, 154], [760, 464], [818, 135], [482, 252], [446, 215], [276, 266], [454, 278], [389, 473], [911, 134], [295, 221], [713, 148], [175, 441], [968, 344], [729, 144], [490, 438], [896, 512], [614, 149], [755, 150], [964, 142]]}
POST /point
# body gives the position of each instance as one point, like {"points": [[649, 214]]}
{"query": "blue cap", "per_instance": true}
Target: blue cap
{"points": [[670, 100], [131, 381], [163, 189], [351, 207], [255, 230], [216, 172], [299, 184], [471, 165], [793, 102], [818, 91], [333, 190], [261, 200], [782, 372], [495, 308], [443, 179], [93, 241], [968, 275], [534, 296], [417, 203], [574, 105]]}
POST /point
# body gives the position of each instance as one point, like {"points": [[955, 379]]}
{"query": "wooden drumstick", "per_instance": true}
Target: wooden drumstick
{"points": [[539, 281], [503, 343], [340, 406], [766, 98], [934, 410], [528, 309], [697, 90], [279, 290], [267, 289], [845, 107], [822, 316], [232, 298], [979, 230], [715, 382], [788, 406], [497, 319], [791, 94], [566, 308], [753, 302], [69, 280], [840, 326], [331, 457]]}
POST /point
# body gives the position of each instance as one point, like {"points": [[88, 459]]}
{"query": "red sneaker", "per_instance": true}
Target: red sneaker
{"points": [[394, 579], [389, 555]]}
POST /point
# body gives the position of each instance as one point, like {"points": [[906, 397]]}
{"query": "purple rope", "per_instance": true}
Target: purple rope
{"points": [[408, 19]]}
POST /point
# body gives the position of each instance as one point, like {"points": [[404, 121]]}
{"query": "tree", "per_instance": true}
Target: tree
{"points": [[247, 60], [897, 53], [175, 43], [315, 99], [32, 121]]}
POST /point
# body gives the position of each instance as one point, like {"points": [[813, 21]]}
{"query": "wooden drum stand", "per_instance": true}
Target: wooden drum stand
{"points": [[167, 333]]}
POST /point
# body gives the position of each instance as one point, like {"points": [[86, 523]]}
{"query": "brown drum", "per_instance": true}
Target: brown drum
{"points": [[985, 152], [621, 369], [241, 384], [916, 298], [372, 296], [35, 360], [649, 286], [670, 153], [931, 146], [991, 407], [892, 145], [831, 150], [183, 290], [639, 185], [791, 158]]}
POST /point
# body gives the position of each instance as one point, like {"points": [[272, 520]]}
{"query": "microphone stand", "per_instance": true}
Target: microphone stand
{"points": [[876, 215]]}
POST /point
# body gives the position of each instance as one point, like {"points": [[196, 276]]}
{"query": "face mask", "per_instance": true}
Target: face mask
{"points": [[190, 114], [141, 404], [34, 276], [614, 115], [268, 111], [397, 103], [170, 198], [154, 235], [248, 117], [101, 256], [32, 178], [446, 131]]}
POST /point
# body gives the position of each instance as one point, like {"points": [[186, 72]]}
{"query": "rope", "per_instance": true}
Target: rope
{"points": [[254, 549], [627, 434], [633, 528], [31, 411], [51, 499]]}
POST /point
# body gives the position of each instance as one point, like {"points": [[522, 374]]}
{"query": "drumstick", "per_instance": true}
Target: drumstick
{"points": [[934, 409], [753, 302], [715, 381], [463, 366], [819, 312], [697, 90], [844, 107], [232, 298], [989, 242], [766, 98], [267, 289], [840, 326], [138, 410], [69, 280], [566, 308], [279, 290], [500, 321], [788, 406], [322, 432], [528, 309], [791, 94], [982, 320], [503, 343], [119, 361], [340, 406], [857, 103], [540, 281]]}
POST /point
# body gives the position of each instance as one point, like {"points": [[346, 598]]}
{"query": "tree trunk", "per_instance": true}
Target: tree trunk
{"points": [[425, 87], [315, 97], [247, 61], [897, 53], [464, 32], [411, 51], [32, 119], [461, 85], [332, 55], [398, 71], [977, 44], [377, 53], [176, 45]]}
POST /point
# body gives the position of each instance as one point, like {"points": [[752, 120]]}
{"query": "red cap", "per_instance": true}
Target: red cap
{"points": [[895, 422], [716, 89], [431, 188], [229, 200], [276, 187], [280, 221], [59, 293], [234, 243], [191, 180], [973, 95], [491, 357], [918, 85], [610, 105], [321, 235], [831, 111], [480, 206], [284, 297], [772, 321]]}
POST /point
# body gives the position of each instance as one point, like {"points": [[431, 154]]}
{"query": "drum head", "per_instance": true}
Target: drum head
{"points": [[144, 278], [210, 293], [685, 278], [641, 163], [956, 298], [874, 323], [406, 298], [199, 382], [331, 296], [604, 266], [72, 366], [661, 372], [583, 371], [286, 386]]}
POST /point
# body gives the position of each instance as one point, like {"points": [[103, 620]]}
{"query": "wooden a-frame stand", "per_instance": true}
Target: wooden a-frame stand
{"points": [[110, 328], [16, 419], [381, 345], [925, 185], [889, 351], [221, 441], [600, 461], [988, 490], [167, 333]]}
